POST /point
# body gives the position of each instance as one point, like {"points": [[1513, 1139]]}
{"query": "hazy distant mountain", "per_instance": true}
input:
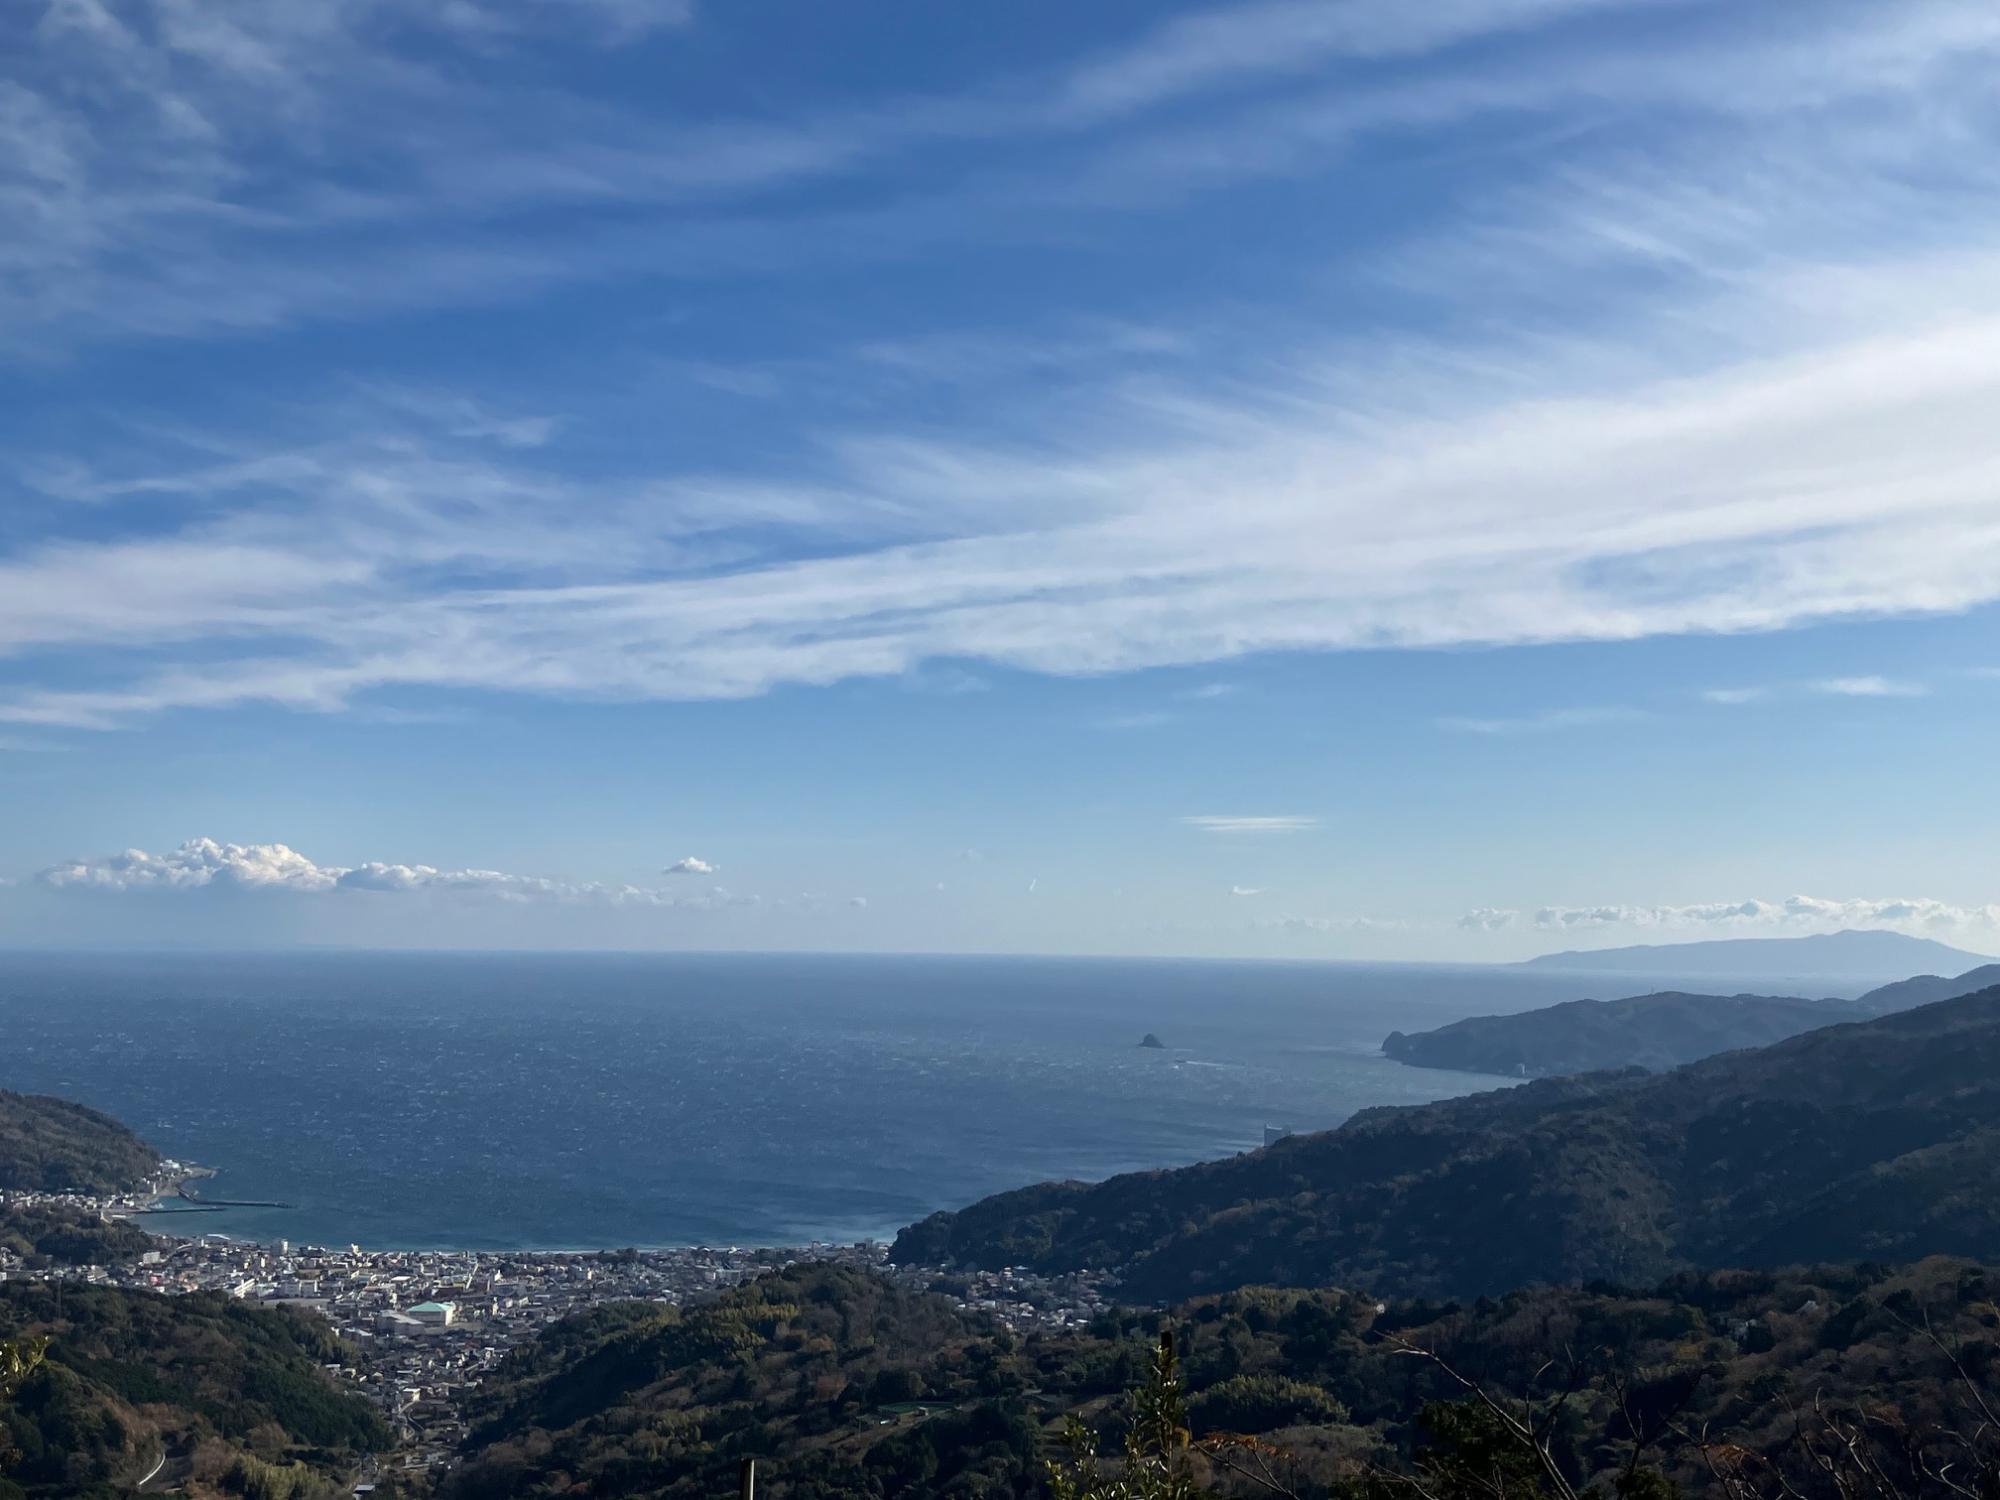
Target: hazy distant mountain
{"points": [[1869, 954], [1871, 1140], [1655, 1032], [1906, 994]]}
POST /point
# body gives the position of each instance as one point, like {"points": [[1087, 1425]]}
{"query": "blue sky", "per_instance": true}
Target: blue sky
{"points": [[1332, 479]]}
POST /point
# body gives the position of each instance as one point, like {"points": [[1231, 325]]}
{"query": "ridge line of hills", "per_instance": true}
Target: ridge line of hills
{"points": [[1875, 1139], [1654, 1031]]}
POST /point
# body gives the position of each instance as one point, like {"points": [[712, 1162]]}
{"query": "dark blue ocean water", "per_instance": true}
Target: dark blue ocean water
{"points": [[605, 1100]]}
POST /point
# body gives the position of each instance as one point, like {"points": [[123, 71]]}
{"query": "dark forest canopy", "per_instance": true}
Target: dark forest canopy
{"points": [[50, 1234], [845, 1386], [128, 1376], [52, 1145], [1879, 1139]]}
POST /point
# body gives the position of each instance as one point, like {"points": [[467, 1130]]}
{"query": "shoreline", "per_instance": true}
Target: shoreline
{"points": [[151, 1219]]}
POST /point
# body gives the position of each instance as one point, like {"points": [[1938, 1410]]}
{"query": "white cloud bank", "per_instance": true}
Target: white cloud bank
{"points": [[1794, 913], [205, 863]]}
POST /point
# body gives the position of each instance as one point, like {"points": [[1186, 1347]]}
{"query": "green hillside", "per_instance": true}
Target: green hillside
{"points": [[56, 1146], [1875, 1139], [129, 1376], [843, 1387]]}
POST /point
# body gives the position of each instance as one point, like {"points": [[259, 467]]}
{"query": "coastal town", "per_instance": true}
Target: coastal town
{"points": [[427, 1326]]}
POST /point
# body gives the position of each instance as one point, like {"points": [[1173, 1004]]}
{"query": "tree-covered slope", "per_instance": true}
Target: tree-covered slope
{"points": [[56, 1146], [842, 1387], [641, 1399], [44, 1234], [130, 1376], [1748, 1158], [1655, 1032]]}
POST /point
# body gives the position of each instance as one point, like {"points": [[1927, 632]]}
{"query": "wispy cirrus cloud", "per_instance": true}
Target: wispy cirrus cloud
{"points": [[1545, 722], [1254, 824], [200, 128], [1716, 452], [1870, 687]]}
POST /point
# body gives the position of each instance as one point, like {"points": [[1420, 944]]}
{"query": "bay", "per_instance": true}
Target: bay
{"points": [[601, 1100]]}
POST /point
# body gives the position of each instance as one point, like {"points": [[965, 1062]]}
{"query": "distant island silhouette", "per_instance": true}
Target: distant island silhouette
{"points": [[1868, 953], [1149, 1040]]}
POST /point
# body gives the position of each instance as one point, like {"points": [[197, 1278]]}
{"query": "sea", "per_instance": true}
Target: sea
{"points": [[544, 1101]]}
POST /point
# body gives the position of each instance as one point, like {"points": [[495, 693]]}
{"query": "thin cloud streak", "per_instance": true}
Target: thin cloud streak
{"points": [[1235, 824], [1870, 687], [1547, 722]]}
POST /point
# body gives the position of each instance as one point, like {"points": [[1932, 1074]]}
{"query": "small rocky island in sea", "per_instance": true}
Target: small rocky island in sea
{"points": [[1149, 1040]]}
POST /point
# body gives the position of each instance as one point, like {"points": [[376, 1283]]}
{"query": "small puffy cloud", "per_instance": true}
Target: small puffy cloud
{"points": [[202, 864], [1870, 687], [857, 901], [689, 866], [1489, 918], [197, 863], [1233, 823], [1246, 890]]}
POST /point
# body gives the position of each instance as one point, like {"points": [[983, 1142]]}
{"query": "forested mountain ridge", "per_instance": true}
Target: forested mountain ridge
{"points": [[51, 1145], [1869, 1139], [1927, 989], [1655, 1032], [130, 1376], [816, 1372]]}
